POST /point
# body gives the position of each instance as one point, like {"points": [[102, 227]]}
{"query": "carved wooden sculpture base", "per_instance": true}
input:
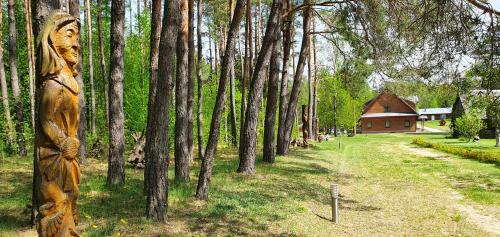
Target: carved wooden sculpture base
{"points": [[58, 173]]}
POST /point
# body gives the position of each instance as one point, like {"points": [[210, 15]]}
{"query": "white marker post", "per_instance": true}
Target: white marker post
{"points": [[335, 203]]}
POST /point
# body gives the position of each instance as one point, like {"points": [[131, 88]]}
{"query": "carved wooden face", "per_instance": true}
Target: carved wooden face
{"points": [[66, 41]]}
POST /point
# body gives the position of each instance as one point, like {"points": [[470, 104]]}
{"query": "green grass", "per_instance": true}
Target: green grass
{"points": [[385, 188], [435, 124]]}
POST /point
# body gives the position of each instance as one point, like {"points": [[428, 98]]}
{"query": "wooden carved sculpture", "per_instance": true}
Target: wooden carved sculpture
{"points": [[58, 171], [305, 126]]}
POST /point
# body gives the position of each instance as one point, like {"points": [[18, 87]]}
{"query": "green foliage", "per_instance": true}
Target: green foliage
{"points": [[349, 94], [430, 95], [469, 124]]}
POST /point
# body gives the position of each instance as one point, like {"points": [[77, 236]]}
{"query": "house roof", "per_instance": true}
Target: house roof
{"points": [[383, 115], [408, 103], [434, 111]]}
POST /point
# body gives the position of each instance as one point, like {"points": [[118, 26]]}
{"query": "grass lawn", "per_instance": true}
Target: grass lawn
{"points": [[386, 189]]}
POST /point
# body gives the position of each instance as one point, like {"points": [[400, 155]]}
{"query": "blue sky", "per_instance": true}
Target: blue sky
{"points": [[496, 4]]}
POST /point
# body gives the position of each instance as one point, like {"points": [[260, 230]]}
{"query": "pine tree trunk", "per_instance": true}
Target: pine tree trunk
{"points": [[257, 28], [116, 161], [232, 109], [16, 90], [131, 18], [153, 61], [216, 57], [310, 94], [207, 163], [297, 81], [181, 93], [31, 61], [141, 45], [200, 80], [315, 121], [157, 133], [232, 91], [91, 68], [102, 59], [287, 44], [272, 100], [248, 61], [191, 84], [9, 128], [74, 10], [249, 132], [211, 59]]}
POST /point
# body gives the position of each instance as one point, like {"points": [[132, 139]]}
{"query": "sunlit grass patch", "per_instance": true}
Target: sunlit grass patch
{"points": [[482, 195]]}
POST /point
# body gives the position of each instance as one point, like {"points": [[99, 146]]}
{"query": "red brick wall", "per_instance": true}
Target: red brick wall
{"points": [[395, 104], [397, 124]]}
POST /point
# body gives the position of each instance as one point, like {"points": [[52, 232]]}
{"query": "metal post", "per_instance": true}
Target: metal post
{"points": [[335, 203]]}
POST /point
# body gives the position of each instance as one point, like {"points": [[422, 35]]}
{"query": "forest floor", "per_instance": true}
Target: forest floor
{"points": [[388, 187]]}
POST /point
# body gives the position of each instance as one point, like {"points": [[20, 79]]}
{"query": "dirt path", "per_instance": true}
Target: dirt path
{"points": [[429, 129], [488, 223]]}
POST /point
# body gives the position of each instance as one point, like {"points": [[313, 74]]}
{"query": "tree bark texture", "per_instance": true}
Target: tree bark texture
{"points": [[207, 163], [31, 60], [269, 154], [116, 161], [9, 127], [305, 125], [287, 45], [200, 80], [232, 90], [191, 84], [315, 122], [297, 81], [232, 107], [156, 30], [157, 134], [102, 59], [141, 45], [91, 68], [16, 90], [181, 93], [310, 96], [74, 10], [249, 131], [248, 60]]}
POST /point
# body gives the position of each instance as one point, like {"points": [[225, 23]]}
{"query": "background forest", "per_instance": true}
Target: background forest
{"points": [[349, 79], [240, 77]]}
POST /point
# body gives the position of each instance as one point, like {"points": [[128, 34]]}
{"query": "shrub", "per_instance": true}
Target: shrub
{"points": [[461, 151], [469, 124]]}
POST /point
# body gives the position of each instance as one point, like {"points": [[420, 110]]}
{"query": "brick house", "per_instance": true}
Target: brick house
{"points": [[389, 113]]}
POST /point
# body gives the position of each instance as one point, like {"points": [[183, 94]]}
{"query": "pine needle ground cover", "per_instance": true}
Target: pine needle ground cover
{"points": [[386, 189]]}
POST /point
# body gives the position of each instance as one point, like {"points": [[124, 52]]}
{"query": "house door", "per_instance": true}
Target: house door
{"points": [[433, 117]]}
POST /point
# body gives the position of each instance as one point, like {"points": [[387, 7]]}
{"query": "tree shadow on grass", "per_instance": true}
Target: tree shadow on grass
{"points": [[102, 207], [15, 197]]}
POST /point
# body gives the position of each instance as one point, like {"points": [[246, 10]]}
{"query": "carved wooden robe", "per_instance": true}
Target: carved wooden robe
{"points": [[57, 125]]}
